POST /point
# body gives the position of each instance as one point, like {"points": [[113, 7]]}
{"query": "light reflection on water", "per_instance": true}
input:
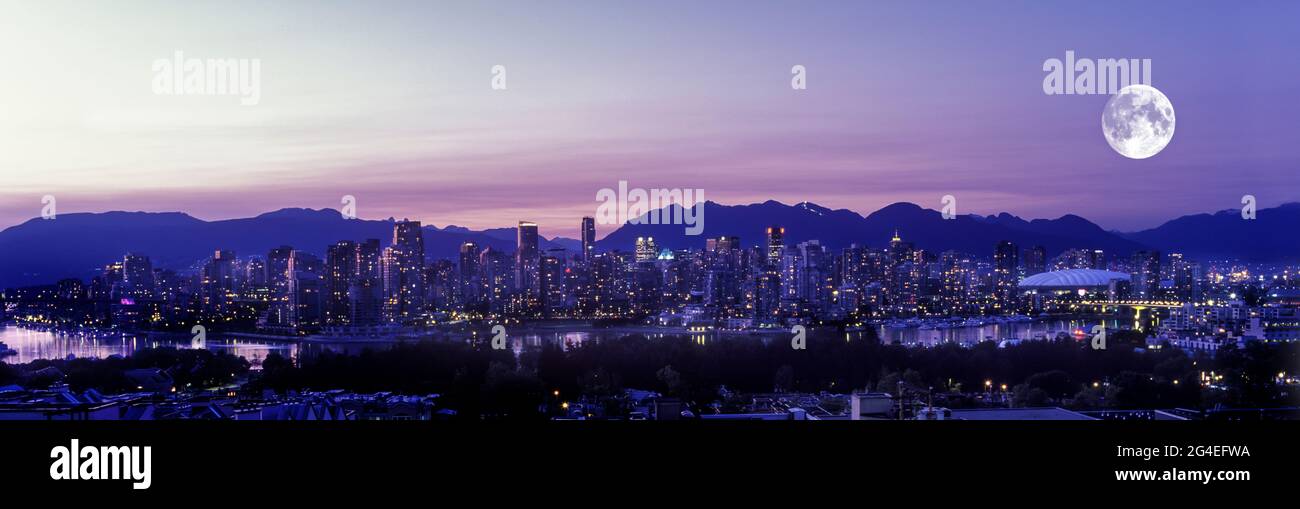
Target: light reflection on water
{"points": [[1042, 329], [33, 344]]}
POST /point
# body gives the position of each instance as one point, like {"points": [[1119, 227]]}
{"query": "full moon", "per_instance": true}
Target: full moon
{"points": [[1138, 121]]}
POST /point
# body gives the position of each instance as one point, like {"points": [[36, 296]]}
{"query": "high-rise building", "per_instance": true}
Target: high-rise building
{"points": [[588, 237], [1035, 260], [646, 250], [306, 288], [551, 271], [340, 275], [255, 273], [1146, 274], [137, 276], [406, 271], [1097, 259], [527, 258], [775, 245], [468, 284], [724, 243], [218, 279], [1182, 273], [1006, 266], [440, 282], [365, 295], [277, 277], [497, 278]]}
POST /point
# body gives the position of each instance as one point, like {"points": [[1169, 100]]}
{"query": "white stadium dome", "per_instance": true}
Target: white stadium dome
{"points": [[1072, 278]]}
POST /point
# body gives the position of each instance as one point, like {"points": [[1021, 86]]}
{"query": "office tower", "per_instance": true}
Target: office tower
{"points": [[765, 297], [551, 282], [277, 277], [72, 289], [775, 245], [498, 280], [1006, 262], [1146, 274], [1183, 274], [1097, 259], [955, 279], [1035, 260], [526, 259], [305, 296], [724, 276], [306, 287], [368, 254], [440, 282], [218, 279], [340, 275], [588, 238], [255, 273], [1077, 259], [813, 279], [645, 288], [137, 276], [646, 251], [108, 284], [406, 271], [468, 285], [277, 267], [365, 293], [609, 273]]}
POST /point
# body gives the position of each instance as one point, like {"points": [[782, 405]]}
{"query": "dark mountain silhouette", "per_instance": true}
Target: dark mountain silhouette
{"points": [[78, 245], [841, 228], [1270, 237]]}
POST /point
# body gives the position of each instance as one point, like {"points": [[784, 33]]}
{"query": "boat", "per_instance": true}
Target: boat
{"points": [[5, 351]]}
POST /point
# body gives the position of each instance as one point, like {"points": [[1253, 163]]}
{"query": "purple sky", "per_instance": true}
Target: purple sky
{"points": [[391, 103]]}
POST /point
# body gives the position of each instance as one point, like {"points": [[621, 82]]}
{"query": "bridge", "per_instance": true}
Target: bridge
{"points": [[1136, 304]]}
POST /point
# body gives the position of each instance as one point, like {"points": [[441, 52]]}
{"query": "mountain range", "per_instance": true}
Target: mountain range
{"points": [[77, 245]]}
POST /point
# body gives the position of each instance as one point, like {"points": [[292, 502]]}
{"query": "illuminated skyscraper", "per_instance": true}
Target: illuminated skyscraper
{"points": [[724, 243], [306, 288], [218, 279], [365, 295], [498, 278], [406, 271], [1035, 260], [646, 250], [527, 258], [277, 277], [588, 238], [468, 284], [137, 276], [775, 245], [255, 273], [1097, 259], [1006, 266], [340, 274], [1146, 274], [551, 272]]}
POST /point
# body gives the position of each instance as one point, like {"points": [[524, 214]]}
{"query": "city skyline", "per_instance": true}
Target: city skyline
{"points": [[287, 248], [406, 121]]}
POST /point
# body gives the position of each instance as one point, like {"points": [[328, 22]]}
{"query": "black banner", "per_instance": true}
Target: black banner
{"points": [[288, 459]]}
